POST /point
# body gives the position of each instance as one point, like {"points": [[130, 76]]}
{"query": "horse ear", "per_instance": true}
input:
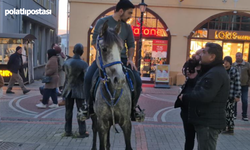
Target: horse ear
{"points": [[104, 28], [118, 28]]}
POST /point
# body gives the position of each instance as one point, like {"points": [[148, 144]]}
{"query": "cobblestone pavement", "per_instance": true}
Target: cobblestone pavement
{"points": [[29, 128]]}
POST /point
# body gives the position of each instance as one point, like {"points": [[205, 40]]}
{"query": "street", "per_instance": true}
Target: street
{"points": [[27, 127]]}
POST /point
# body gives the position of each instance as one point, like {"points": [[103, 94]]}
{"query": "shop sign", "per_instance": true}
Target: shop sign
{"points": [[229, 35], [160, 48], [148, 31], [162, 73], [5, 73]]}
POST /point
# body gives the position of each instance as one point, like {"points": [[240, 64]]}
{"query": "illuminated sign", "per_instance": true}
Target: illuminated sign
{"points": [[148, 31], [229, 35], [5, 73]]}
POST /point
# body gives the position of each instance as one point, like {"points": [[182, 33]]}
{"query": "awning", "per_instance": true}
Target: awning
{"points": [[17, 36]]}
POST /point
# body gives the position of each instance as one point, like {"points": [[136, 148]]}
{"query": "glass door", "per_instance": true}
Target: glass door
{"points": [[230, 49]]}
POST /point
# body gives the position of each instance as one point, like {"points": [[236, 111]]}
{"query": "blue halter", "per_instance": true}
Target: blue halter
{"points": [[105, 78]]}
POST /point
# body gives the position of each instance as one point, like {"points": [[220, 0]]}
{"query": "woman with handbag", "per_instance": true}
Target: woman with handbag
{"points": [[51, 80]]}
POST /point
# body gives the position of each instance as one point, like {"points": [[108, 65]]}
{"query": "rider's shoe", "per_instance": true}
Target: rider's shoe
{"points": [[138, 116]]}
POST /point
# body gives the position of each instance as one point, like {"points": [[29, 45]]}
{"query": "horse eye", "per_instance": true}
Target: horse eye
{"points": [[104, 49]]}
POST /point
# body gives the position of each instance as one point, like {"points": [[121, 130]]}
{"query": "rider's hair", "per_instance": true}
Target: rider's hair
{"points": [[124, 5]]}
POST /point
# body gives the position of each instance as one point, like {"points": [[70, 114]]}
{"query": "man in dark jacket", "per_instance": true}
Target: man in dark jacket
{"points": [[75, 69], [209, 97], [15, 66]]}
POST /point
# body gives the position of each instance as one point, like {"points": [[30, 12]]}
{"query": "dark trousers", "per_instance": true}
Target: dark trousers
{"points": [[189, 132], [90, 72], [69, 105], [47, 93], [207, 137], [244, 100]]}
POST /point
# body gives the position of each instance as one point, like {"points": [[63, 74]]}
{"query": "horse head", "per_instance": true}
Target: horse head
{"points": [[109, 46]]}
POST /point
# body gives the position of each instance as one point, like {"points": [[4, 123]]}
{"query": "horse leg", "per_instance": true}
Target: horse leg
{"points": [[94, 129], [103, 134], [108, 139], [126, 128]]}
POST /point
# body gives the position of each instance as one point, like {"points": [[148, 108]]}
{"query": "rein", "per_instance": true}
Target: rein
{"points": [[105, 78]]}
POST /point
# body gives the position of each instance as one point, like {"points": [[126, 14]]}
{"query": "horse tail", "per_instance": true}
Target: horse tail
{"points": [[113, 119]]}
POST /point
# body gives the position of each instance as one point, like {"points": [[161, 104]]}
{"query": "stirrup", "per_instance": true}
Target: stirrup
{"points": [[82, 115], [139, 116]]}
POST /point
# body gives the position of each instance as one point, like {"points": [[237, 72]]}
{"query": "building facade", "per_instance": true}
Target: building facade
{"points": [[172, 30], [43, 27]]}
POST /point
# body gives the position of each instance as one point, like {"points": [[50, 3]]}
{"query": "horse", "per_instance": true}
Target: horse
{"points": [[113, 102]]}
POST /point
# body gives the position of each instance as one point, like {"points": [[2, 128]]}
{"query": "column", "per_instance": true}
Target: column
{"points": [[27, 26], [43, 50], [36, 48]]}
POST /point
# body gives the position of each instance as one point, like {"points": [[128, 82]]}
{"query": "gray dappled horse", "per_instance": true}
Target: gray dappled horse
{"points": [[113, 97]]}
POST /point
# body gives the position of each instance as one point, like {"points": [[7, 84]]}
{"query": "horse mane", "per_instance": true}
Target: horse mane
{"points": [[110, 37]]}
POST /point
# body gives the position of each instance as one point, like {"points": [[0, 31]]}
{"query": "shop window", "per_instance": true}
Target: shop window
{"points": [[53, 6], [7, 48], [200, 34], [235, 27], [197, 44], [236, 18], [246, 19], [245, 27], [246, 51], [225, 18]]}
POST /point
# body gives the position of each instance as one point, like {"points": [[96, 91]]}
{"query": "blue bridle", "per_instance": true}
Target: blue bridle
{"points": [[105, 78]]}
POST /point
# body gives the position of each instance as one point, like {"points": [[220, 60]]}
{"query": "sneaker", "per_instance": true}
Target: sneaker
{"points": [[235, 118], [41, 105], [25, 91], [53, 106], [245, 119], [9, 92], [138, 116]]}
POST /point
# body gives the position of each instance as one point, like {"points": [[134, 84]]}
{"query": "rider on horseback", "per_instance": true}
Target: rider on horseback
{"points": [[123, 12]]}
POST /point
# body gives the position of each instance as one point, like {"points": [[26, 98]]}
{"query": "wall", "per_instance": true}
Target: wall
{"points": [[180, 17]]}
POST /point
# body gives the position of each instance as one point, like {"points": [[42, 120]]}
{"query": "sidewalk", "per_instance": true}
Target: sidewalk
{"points": [[42, 129]]}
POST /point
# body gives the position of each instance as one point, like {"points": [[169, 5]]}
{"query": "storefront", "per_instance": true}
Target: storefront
{"points": [[155, 41], [230, 30], [8, 44]]}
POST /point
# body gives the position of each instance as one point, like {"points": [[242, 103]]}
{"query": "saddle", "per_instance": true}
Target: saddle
{"points": [[96, 81]]}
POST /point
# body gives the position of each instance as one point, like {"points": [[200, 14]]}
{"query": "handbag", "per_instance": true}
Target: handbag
{"points": [[46, 79]]}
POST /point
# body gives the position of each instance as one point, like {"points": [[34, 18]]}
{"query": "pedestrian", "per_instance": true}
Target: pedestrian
{"points": [[15, 66], [244, 70], [75, 69], [51, 70], [61, 73], [207, 101], [1, 86], [234, 95], [123, 12], [192, 76]]}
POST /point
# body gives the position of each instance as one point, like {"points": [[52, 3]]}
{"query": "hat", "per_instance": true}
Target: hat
{"points": [[58, 49], [228, 59], [18, 47], [124, 4]]}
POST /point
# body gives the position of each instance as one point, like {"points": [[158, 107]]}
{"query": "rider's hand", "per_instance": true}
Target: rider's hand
{"points": [[131, 63]]}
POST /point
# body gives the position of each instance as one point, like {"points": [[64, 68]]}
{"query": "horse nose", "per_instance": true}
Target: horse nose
{"points": [[119, 81]]}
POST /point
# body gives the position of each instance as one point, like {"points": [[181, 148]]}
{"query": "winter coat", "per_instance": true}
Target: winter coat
{"points": [[75, 69], [208, 99], [61, 73], [51, 70], [15, 63]]}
